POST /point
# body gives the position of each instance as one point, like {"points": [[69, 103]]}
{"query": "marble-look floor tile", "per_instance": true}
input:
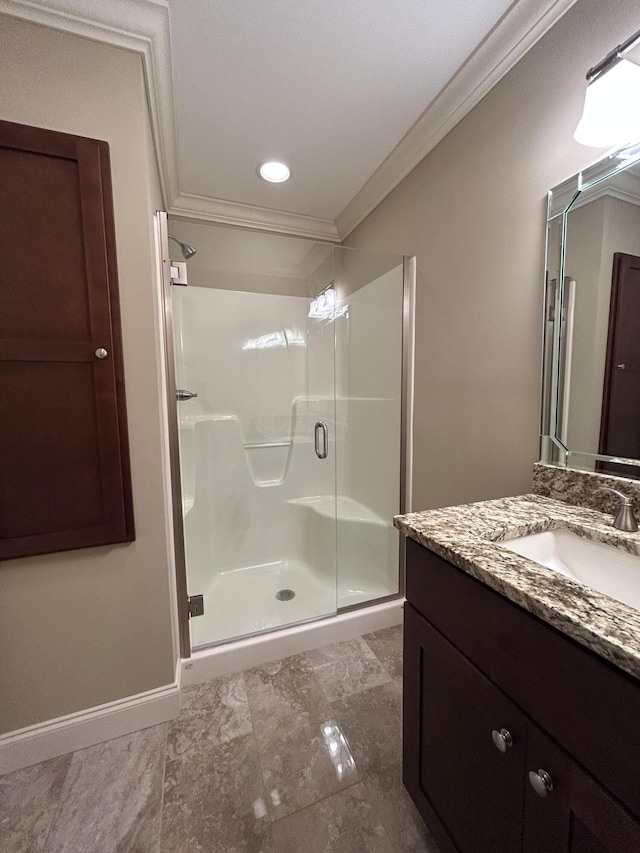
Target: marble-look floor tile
{"points": [[346, 668], [28, 803], [372, 724], [284, 689], [302, 763], [211, 714], [407, 831], [343, 823], [214, 801], [301, 754], [387, 647], [112, 797]]}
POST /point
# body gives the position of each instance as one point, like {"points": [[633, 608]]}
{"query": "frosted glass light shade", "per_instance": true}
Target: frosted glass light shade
{"points": [[611, 113]]}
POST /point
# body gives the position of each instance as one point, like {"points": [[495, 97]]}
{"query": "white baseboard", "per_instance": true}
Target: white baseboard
{"points": [[56, 737], [254, 651]]}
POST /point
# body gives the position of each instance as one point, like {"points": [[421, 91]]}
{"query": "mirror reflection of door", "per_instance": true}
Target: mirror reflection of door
{"points": [[620, 422]]}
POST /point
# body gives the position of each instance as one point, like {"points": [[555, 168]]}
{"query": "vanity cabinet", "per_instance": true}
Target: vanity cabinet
{"points": [[492, 695]]}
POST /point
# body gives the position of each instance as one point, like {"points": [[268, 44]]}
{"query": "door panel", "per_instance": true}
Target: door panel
{"points": [[474, 790], [620, 424], [577, 815], [64, 470]]}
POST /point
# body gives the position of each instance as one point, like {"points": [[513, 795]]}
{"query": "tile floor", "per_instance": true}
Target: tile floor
{"points": [[298, 756]]}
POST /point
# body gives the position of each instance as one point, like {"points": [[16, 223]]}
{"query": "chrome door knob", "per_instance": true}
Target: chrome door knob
{"points": [[541, 782], [101, 352], [621, 366], [502, 739]]}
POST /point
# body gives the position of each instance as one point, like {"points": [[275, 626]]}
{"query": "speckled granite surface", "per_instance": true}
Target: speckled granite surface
{"points": [[583, 488], [468, 536]]}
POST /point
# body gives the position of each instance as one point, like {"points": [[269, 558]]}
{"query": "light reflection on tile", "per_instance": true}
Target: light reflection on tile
{"points": [[298, 768], [337, 748], [303, 754], [372, 724]]}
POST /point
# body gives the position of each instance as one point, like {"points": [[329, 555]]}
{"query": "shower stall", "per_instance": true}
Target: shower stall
{"points": [[288, 376]]}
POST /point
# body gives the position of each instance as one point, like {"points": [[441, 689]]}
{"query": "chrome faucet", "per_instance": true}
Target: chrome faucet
{"points": [[625, 519]]}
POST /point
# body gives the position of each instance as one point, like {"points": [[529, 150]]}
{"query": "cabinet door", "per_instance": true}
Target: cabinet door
{"points": [[576, 815], [64, 465], [469, 793]]}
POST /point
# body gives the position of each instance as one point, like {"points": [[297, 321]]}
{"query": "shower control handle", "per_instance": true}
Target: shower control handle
{"points": [[321, 427]]}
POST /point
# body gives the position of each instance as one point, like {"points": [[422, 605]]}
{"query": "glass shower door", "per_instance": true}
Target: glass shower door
{"points": [[369, 327], [257, 447]]}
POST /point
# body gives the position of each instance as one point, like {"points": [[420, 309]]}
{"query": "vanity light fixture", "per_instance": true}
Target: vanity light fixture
{"points": [[611, 115], [274, 171]]}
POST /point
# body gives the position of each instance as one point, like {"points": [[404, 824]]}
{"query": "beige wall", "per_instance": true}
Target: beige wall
{"points": [[237, 259], [473, 212], [81, 628]]}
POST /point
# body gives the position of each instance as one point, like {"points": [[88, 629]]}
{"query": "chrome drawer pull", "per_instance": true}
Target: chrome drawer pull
{"points": [[541, 782], [502, 739]]}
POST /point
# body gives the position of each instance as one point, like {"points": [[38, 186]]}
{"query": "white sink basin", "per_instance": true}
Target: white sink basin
{"points": [[602, 567]]}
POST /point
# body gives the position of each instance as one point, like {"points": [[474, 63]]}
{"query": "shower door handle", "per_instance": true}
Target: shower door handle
{"points": [[321, 427]]}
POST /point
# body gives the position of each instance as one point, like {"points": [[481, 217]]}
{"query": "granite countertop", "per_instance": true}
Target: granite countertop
{"points": [[467, 536]]}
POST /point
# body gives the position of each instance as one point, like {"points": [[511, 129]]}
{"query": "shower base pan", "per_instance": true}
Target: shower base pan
{"points": [[207, 663]]}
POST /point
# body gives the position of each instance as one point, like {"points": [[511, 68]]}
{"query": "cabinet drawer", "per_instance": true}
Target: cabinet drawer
{"points": [[589, 706]]}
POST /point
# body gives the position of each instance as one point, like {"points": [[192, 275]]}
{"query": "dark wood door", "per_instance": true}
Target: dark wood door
{"points": [[64, 461], [576, 815], [620, 423], [469, 793]]}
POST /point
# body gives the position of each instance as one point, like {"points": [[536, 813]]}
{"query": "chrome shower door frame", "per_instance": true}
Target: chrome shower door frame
{"points": [[406, 448]]}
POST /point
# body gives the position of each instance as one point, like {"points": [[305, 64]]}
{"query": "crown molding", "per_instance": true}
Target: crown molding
{"points": [[189, 206], [517, 32], [142, 26]]}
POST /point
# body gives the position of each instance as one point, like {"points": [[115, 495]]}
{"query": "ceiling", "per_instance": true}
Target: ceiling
{"points": [[351, 94], [328, 87]]}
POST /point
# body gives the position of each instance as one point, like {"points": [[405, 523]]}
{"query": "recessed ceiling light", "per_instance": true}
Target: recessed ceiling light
{"points": [[273, 171]]}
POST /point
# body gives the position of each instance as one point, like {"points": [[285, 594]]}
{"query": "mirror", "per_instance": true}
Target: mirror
{"points": [[591, 366]]}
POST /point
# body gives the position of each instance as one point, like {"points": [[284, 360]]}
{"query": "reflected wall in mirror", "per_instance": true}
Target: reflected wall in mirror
{"points": [[591, 369]]}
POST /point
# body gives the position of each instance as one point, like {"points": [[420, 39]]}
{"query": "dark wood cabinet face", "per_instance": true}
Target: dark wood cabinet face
{"points": [[475, 790], [577, 815], [64, 467], [464, 645]]}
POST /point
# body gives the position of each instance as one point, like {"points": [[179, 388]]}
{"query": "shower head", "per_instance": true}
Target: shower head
{"points": [[187, 250]]}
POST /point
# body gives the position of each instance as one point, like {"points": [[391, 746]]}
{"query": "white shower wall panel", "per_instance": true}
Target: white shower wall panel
{"points": [[246, 357], [244, 354]]}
